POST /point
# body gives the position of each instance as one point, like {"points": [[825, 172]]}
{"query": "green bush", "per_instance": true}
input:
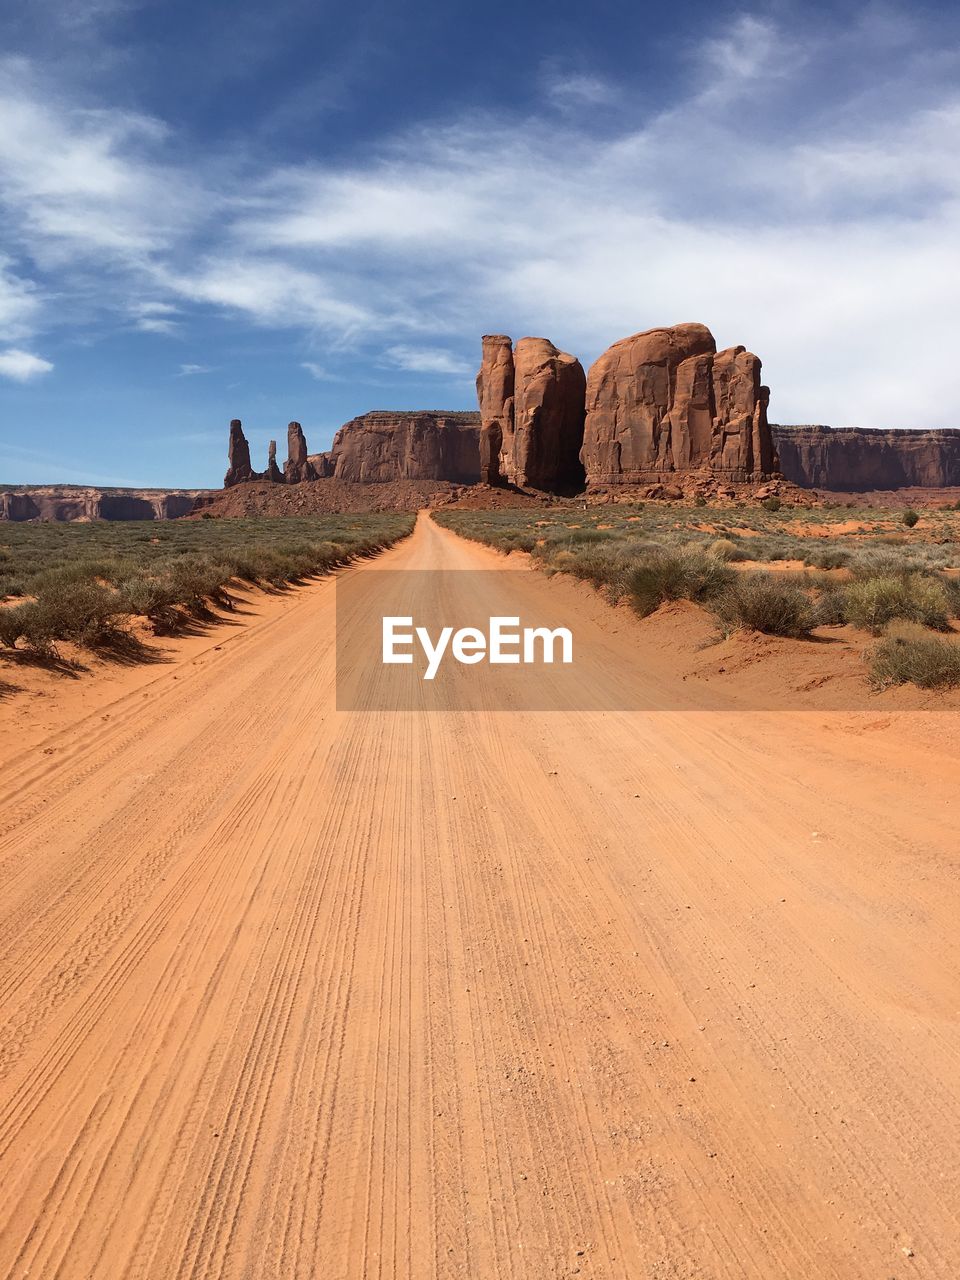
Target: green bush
{"points": [[828, 558], [687, 574], [84, 612], [871, 603], [910, 655], [771, 504], [152, 598], [831, 605], [763, 602], [910, 518]]}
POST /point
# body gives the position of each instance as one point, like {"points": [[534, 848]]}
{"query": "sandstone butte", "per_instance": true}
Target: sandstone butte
{"points": [[532, 403], [666, 401]]}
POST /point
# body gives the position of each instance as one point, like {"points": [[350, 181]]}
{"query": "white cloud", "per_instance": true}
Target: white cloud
{"points": [[575, 90], [155, 317], [319, 371], [190, 370], [19, 305], [83, 180], [22, 366], [428, 360], [811, 215]]}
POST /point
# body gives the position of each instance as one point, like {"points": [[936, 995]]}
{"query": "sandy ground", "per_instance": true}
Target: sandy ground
{"points": [[292, 992]]}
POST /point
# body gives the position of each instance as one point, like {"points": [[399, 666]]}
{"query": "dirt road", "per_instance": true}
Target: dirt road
{"points": [[293, 992]]}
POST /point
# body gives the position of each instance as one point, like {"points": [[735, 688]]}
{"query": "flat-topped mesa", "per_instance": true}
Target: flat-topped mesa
{"points": [[858, 459], [667, 401], [407, 445], [239, 469], [531, 413]]}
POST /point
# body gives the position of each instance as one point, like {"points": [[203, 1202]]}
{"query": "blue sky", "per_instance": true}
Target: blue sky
{"points": [[306, 210]]}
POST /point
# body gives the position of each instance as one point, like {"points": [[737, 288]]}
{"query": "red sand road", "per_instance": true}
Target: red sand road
{"points": [[293, 992]]}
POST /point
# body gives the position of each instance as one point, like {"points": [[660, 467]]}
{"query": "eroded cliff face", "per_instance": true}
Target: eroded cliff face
{"points": [[382, 446], [75, 502], [667, 401], [857, 459], [531, 412]]}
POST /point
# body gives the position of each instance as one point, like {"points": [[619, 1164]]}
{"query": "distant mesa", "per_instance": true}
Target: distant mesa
{"points": [[70, 502], [858, 459]]}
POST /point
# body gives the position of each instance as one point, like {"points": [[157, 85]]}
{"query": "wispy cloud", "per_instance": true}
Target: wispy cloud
{"points": [[428, 360], [19, 304], [571, 90], [190, 370], [813, 215], [155, 317], [22, 366], [319, 371]]}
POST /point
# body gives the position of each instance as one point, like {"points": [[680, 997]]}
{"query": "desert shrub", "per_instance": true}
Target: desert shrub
{"points": [[196, 581], [831, 605], [518, 542], [699, 500], [583, 535], [11, 626], [827, 558], [771, 504], [763, 602], [723, 549], [687, 574], [910, 655], [152, 598], [84, 612], [873, 602], [30, 623], [910, 518]]}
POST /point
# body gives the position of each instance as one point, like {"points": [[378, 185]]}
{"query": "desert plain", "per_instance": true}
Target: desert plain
{"points": [[671, 991]]}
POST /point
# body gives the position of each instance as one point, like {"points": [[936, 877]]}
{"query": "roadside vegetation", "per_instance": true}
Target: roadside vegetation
{"points": [[784, 572], [86, 583]]}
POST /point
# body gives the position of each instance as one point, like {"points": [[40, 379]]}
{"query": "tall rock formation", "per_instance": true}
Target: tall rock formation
{"points": [[531, 413], [297, 466], [273, 472], [239, 469], [495, 384], [665, 401], [856, 459], [382, 446]]}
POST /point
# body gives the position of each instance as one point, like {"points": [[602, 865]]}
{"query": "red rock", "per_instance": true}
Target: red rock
{"points": [[65, 502], [665, 401], [383, 446], [531, 412], [239, 469], [857, 459], [495, 386], [297, 467], [273, 472]]}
